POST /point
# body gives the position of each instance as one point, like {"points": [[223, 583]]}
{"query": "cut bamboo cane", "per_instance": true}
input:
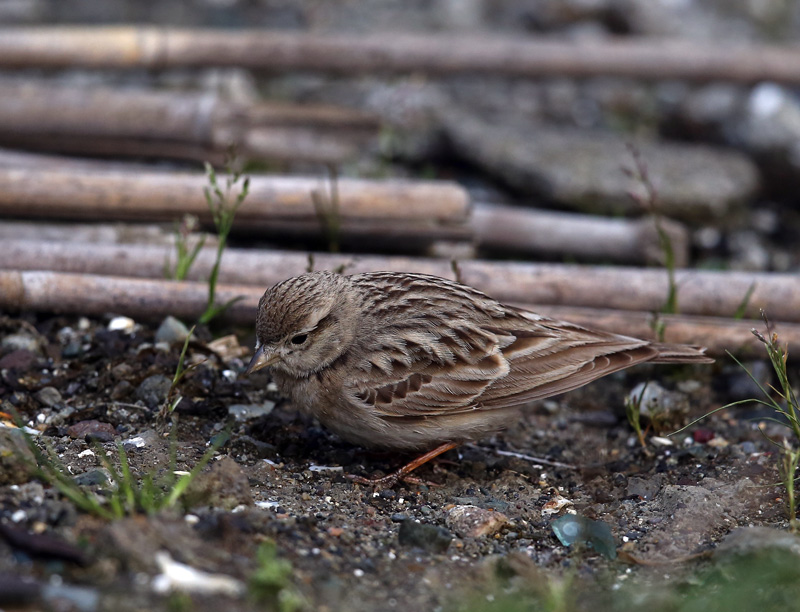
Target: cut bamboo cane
{"points": [[159, 48], [169, 124], [90, 233], [147, 299], [413, 210], [513, 228], [702, 293]]}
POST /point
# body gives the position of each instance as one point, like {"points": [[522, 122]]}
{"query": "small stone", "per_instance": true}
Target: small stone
{"points": [[91, 478], [20, 359], [72, 349], [92, 431], [48, 396], [142, 440], [245, 412], [24, 342], [748, 448], [428, 537], [171, 331], [121, 371], [474, 522], [121, 390], [556, 505], [124, 324], [153, 390], [656, 401], [228, 347], [16, 459], [643, 488]]}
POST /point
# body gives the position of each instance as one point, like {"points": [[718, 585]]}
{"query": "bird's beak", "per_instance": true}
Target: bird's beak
{"points": [[261, 359]]}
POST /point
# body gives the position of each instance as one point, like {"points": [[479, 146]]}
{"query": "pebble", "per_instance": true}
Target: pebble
{"points": [[19, 359], [474, 522], [16, 459], [72, 349], [153, 390], [643, 488], [656, 400], [171, 331], [48, 396], [15, 342], [145, 438], [430, 538], [121, 390], [92, 431], [124, 324], [245, 412], [91, 478], [748, 448]]}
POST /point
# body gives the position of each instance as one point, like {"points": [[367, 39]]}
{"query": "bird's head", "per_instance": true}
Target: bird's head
{"points": [[304, 323]]}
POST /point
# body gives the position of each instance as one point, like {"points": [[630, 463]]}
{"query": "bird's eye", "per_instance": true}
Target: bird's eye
{"points": [[299, 338]]}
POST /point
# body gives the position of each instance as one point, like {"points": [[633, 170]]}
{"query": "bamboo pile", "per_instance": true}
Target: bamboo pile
{"points": [[201, 127], [55, 273], [409, 214]]}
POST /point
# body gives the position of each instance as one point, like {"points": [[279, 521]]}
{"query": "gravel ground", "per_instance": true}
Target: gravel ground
{"points": [[483, 525]]}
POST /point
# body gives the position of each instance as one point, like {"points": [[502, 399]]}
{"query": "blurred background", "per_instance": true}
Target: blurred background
{"points": [[591, 131]]}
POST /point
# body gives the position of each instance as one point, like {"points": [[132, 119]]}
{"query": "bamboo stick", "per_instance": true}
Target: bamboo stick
{"points": [[147, 299], [701, 292], [89, 233], [159, 48], [169, 124], [415, 210], [513, 228]]}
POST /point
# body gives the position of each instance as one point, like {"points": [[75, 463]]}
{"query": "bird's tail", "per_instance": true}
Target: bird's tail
{"points": [[680, 353]]}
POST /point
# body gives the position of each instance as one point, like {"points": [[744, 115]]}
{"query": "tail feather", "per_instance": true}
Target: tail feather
{"points": [[679, 353]]}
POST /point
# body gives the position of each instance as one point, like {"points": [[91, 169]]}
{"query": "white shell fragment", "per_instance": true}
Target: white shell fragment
{"points": [[176, 576]]}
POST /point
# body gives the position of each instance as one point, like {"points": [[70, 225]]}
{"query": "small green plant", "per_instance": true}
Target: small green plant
{"points": [[784, 402], [128, 494], [327, 210], [223, 204], [173, 398], [790, 457], [649, 202], [270, 582], [741, 309], [185, 253], [633, 410]]}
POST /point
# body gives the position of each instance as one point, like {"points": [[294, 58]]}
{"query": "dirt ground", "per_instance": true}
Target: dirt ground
{"points": [[282, 478]]}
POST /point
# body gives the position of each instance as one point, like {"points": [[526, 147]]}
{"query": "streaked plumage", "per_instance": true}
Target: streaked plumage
{"points": [[409, 361]]}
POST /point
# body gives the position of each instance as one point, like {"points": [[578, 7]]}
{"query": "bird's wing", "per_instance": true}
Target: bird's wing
{"points": [[547, 357], [513, 360], [421, 373]]}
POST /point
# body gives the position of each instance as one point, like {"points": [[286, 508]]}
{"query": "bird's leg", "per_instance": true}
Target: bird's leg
{"points": [[404, 473]]}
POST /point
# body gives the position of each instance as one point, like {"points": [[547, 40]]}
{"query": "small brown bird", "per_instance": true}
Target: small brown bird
{"points": [[415, 362]]}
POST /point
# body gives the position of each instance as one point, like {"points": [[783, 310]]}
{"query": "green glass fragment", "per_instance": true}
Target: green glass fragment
{"points": [[572, 528]]}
